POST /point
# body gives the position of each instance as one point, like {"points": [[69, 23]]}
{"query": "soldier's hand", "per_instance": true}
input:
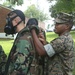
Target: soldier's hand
{"points": [[42, 39], [35, 27]]}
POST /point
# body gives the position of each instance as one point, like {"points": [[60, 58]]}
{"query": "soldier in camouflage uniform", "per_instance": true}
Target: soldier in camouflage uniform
{"points": [[39, 60], [2, 60], [59, 53], [21, 59]]}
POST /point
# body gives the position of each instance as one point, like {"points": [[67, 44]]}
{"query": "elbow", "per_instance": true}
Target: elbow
{"points": [[40, 50], [42, 53]]}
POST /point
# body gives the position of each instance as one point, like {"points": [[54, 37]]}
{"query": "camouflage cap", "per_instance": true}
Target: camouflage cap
{"points": [[63, 18]]}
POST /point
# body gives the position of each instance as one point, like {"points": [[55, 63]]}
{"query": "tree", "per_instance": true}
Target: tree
{"points": [[13, 2], [32, 11], [62, 6]]}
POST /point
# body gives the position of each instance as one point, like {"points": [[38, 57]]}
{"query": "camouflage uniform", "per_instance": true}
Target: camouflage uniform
{"points": [[41, 60], [23, 58], [60, 51], [62, 63], [33, 22], [2, 60]]}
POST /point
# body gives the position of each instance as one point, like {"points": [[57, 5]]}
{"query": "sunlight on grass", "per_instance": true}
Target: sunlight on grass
{"points": [[6, 45], [50, 36]]}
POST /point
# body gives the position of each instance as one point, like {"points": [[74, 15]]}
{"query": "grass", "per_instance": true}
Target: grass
{"points": [[52, 35], [7, 43]]}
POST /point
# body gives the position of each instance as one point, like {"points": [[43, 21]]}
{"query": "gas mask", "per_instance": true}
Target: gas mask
{"points": [[9, 28]]}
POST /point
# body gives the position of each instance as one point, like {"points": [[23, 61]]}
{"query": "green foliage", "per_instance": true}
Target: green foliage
{"points": [[62, 6], [12, 3], [6, 3], [18, 2], [33, 11]]}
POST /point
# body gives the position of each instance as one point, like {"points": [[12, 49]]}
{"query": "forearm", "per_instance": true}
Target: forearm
{"points": [[39, 46]]}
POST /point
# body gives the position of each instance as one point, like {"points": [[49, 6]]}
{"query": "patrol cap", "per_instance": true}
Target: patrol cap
{"points": [[19, 13], [64, 18]]}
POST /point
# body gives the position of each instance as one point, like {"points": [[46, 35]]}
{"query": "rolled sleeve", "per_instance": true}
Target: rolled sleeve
{"points": [[49, 49]]}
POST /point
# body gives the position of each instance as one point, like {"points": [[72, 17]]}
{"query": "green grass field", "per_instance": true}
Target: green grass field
{"points": [[7, 43]]}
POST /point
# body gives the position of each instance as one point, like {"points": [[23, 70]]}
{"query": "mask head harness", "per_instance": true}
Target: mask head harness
{"points": [[9, 28]]}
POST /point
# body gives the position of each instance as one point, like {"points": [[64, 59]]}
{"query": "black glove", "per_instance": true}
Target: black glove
{"points": [[34, 27]]}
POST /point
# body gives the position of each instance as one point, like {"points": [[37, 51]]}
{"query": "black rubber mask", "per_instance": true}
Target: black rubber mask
{"points": [[9, 28]]}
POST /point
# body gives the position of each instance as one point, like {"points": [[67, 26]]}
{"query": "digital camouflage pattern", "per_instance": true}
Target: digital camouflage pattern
{"points": [[64, 18], [2, 60], [62, 63], [23, 59]]}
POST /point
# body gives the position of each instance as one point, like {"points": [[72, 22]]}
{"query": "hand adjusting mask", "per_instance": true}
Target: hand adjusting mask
{"points": [[9, 28]]}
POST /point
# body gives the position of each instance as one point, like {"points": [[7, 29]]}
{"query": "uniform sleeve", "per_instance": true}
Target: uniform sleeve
{"points": [[58, 44], [49, 50]]}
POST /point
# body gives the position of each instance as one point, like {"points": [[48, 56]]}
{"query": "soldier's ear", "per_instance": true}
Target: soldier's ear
{"points": [[67, 26], [17, 19]]}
